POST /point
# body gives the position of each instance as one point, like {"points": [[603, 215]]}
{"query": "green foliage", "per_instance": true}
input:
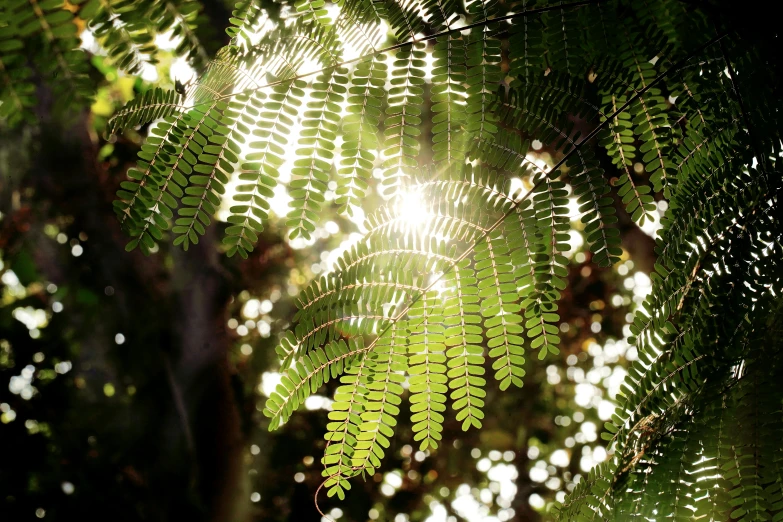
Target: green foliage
{"points": [[32, 28], [150, 106], [123, 32], [466, 264], [40, 40], [360, 145], [317, 143], [265, 157], [402, 125]]}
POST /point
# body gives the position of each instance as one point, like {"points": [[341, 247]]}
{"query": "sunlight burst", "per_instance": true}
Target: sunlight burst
{"points": [[413, 210]]}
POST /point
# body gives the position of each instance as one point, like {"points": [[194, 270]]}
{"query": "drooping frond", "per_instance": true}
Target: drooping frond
{"points": [[591, 499], [123, 31], [502, 320], [464, 352], [549, 268], [171, 173], [403, 119], [690, 438], [17, 93], [360, 128], [427, 370], [449, 101], [27, 29], [245, 22], [260, 173], [308, 374], [358, 25], [152, 105], [388, 366], [317, 150], [217, 155], [403, 18], [618, 140], [482, 78], [179, 17]]}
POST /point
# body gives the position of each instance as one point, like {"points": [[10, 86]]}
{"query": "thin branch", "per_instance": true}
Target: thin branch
{"points": [[402, 45], [179, 404], [663, 381]]}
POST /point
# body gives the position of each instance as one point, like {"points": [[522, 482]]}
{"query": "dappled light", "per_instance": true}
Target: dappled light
{"points": [[390, 260]]}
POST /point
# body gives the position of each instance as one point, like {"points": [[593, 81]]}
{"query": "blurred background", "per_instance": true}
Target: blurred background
{"points": [[131, 387]]}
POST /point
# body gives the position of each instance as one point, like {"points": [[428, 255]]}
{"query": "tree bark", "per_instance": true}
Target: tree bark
{"points": [[173, 319]]}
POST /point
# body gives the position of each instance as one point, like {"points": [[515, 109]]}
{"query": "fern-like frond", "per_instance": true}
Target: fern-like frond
{"points": [[131, 206], [154, 104], [563, 42], [618, 140], [245, 21], [388, 366], [427, 370], [403, 17], [648, 113], [403, 119], [482, 78], [217, 157], [313, 166], [169, 174], [343, 430], [591, 500], [497, 288], [259, 174], [49, 25], [17, 93], [449, 101], [463, 345], [361, 133], [550, 241], [359, 26], [308, 374], [313, 11], [122, 31], [180, 18], [440, 13]]}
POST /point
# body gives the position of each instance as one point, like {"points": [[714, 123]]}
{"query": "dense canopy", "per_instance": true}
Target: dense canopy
{"points": [[439, 201]]}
